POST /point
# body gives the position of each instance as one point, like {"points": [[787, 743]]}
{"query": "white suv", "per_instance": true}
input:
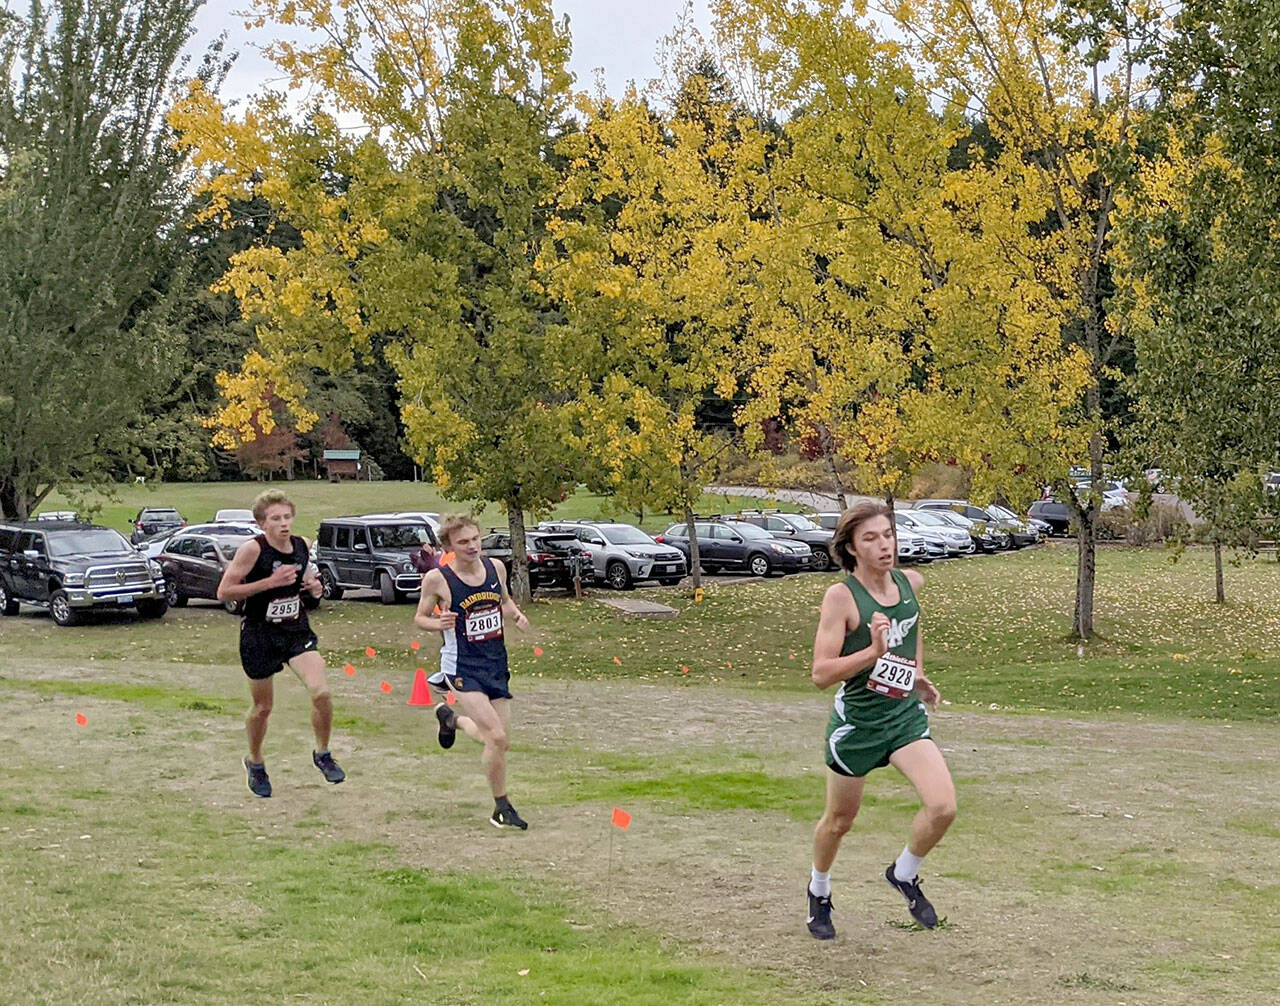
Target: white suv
{"points": [[622, 555]]}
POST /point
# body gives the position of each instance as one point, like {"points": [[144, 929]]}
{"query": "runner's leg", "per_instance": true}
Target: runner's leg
{"points": [[309, 667], [844, 797], [262, 692], [923, 765], [489, 724]]}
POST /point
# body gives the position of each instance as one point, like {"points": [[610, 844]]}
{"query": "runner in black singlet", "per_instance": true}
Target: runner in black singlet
{"points": [[271, 576]]}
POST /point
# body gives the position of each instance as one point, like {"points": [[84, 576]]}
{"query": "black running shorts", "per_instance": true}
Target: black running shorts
{"points": [[264, 648], [493, 685]]}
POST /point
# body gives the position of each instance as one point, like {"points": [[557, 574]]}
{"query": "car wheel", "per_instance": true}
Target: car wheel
{"points": [[821, 560], [8, 606], [329, 586], [61, 610], [173, 597], [669, 581], [387, 589], [152, 607], [759, 564], [233, 607], [617, 576]]}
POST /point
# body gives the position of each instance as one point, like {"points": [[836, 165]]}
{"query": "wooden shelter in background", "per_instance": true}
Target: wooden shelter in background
{"points": [[339, 465]]}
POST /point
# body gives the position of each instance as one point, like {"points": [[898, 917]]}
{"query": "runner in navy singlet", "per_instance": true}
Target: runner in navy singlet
{"points": [[272, 578], [473, 606]]}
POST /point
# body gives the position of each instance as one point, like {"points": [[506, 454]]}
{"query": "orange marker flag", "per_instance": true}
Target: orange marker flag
{"points": [[385, 686], [617, 661], [348, 670], [82, 720], [684, 668], [537, 651], [369, 651], [621, 819], [415, 645]]}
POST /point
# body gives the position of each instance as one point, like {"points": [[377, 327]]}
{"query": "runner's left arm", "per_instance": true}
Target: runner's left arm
{"points": [[509, 608], [925, 688]]}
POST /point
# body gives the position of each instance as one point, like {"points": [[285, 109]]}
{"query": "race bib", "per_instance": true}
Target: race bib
{"points": [[893, 676], [284, 609], [482, 625]]}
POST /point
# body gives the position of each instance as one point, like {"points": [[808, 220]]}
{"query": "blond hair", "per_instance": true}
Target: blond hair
{"points": [[453, 523], [267, 499], [841, 547]]}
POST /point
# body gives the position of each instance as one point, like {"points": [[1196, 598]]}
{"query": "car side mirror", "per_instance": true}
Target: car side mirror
{"points": [[735, 538]]}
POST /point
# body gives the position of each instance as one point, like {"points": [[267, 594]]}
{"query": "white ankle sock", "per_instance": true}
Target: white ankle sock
{"points": [[820, 883], [907, 866]]}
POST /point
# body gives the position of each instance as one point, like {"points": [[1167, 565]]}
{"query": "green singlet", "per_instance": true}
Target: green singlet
{"points": [[866, 727]]}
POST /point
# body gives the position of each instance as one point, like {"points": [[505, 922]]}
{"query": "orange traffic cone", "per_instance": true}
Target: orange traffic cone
{"points": [[421, 694]]}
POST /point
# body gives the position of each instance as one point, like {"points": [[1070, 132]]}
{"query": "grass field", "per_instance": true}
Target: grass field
{"points": [[1116, 840], [316, 500]]}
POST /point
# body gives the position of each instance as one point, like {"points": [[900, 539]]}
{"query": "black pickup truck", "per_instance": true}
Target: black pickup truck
{"points": [[70, 568]]}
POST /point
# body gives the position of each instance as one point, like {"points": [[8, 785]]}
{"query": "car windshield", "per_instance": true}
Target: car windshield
{"points": [[954, 519], [398, 535], [621, 534], [928, 518], [750, 531], [99, 541], [1003, 513], [800, 523]]}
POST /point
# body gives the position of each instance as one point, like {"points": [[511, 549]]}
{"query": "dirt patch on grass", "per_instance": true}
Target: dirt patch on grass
{"points": [[1094, 861]]}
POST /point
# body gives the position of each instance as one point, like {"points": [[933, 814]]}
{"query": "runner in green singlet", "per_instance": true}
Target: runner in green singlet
{"points": [[869, 644]]}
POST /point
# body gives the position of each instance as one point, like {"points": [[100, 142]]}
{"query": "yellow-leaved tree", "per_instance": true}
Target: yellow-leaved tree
{"points": [[419, 182], [651, 253]]}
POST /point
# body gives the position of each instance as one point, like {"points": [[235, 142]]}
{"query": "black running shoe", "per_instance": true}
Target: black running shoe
{"points": [[256, 777], [820, 927], [506, 817], [448, 725], [917, 904], [326, 764]]}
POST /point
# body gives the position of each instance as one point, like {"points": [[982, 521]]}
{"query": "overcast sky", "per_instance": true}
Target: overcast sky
{"points": [[620, 36]]}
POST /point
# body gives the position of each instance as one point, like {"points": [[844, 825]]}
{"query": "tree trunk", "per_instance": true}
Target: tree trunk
{"points": [[1086, 567], [1220, 594], [519, 553], [695, 567], [827, 443]]}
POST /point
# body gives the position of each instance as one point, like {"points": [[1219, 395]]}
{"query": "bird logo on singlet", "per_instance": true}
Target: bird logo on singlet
{"points": [[898, 631]]}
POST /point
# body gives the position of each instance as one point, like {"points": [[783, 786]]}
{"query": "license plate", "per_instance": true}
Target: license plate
{"points": [[124, 599]]}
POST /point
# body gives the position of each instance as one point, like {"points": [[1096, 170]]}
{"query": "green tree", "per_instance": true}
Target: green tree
{"points": [[92, 192]]}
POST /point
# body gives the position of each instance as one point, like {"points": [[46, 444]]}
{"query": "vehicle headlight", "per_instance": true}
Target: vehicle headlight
{"points": [[407, 567], [153, 568], [778, 548], [636, 555], [74, 579]]}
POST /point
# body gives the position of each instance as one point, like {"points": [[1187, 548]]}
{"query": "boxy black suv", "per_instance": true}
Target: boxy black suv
{"points": [[371, 553], [794, 527], [70, 568]]}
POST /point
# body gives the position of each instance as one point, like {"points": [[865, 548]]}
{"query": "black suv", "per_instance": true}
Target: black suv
{"points": [[729, 544], [371, 553], [69, 568], [1057, 515], [153, 519], [794, 527]]}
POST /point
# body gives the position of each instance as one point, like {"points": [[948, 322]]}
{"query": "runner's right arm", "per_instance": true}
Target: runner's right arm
{"points": [[232, 586], [839, 617], [435, 592]]}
